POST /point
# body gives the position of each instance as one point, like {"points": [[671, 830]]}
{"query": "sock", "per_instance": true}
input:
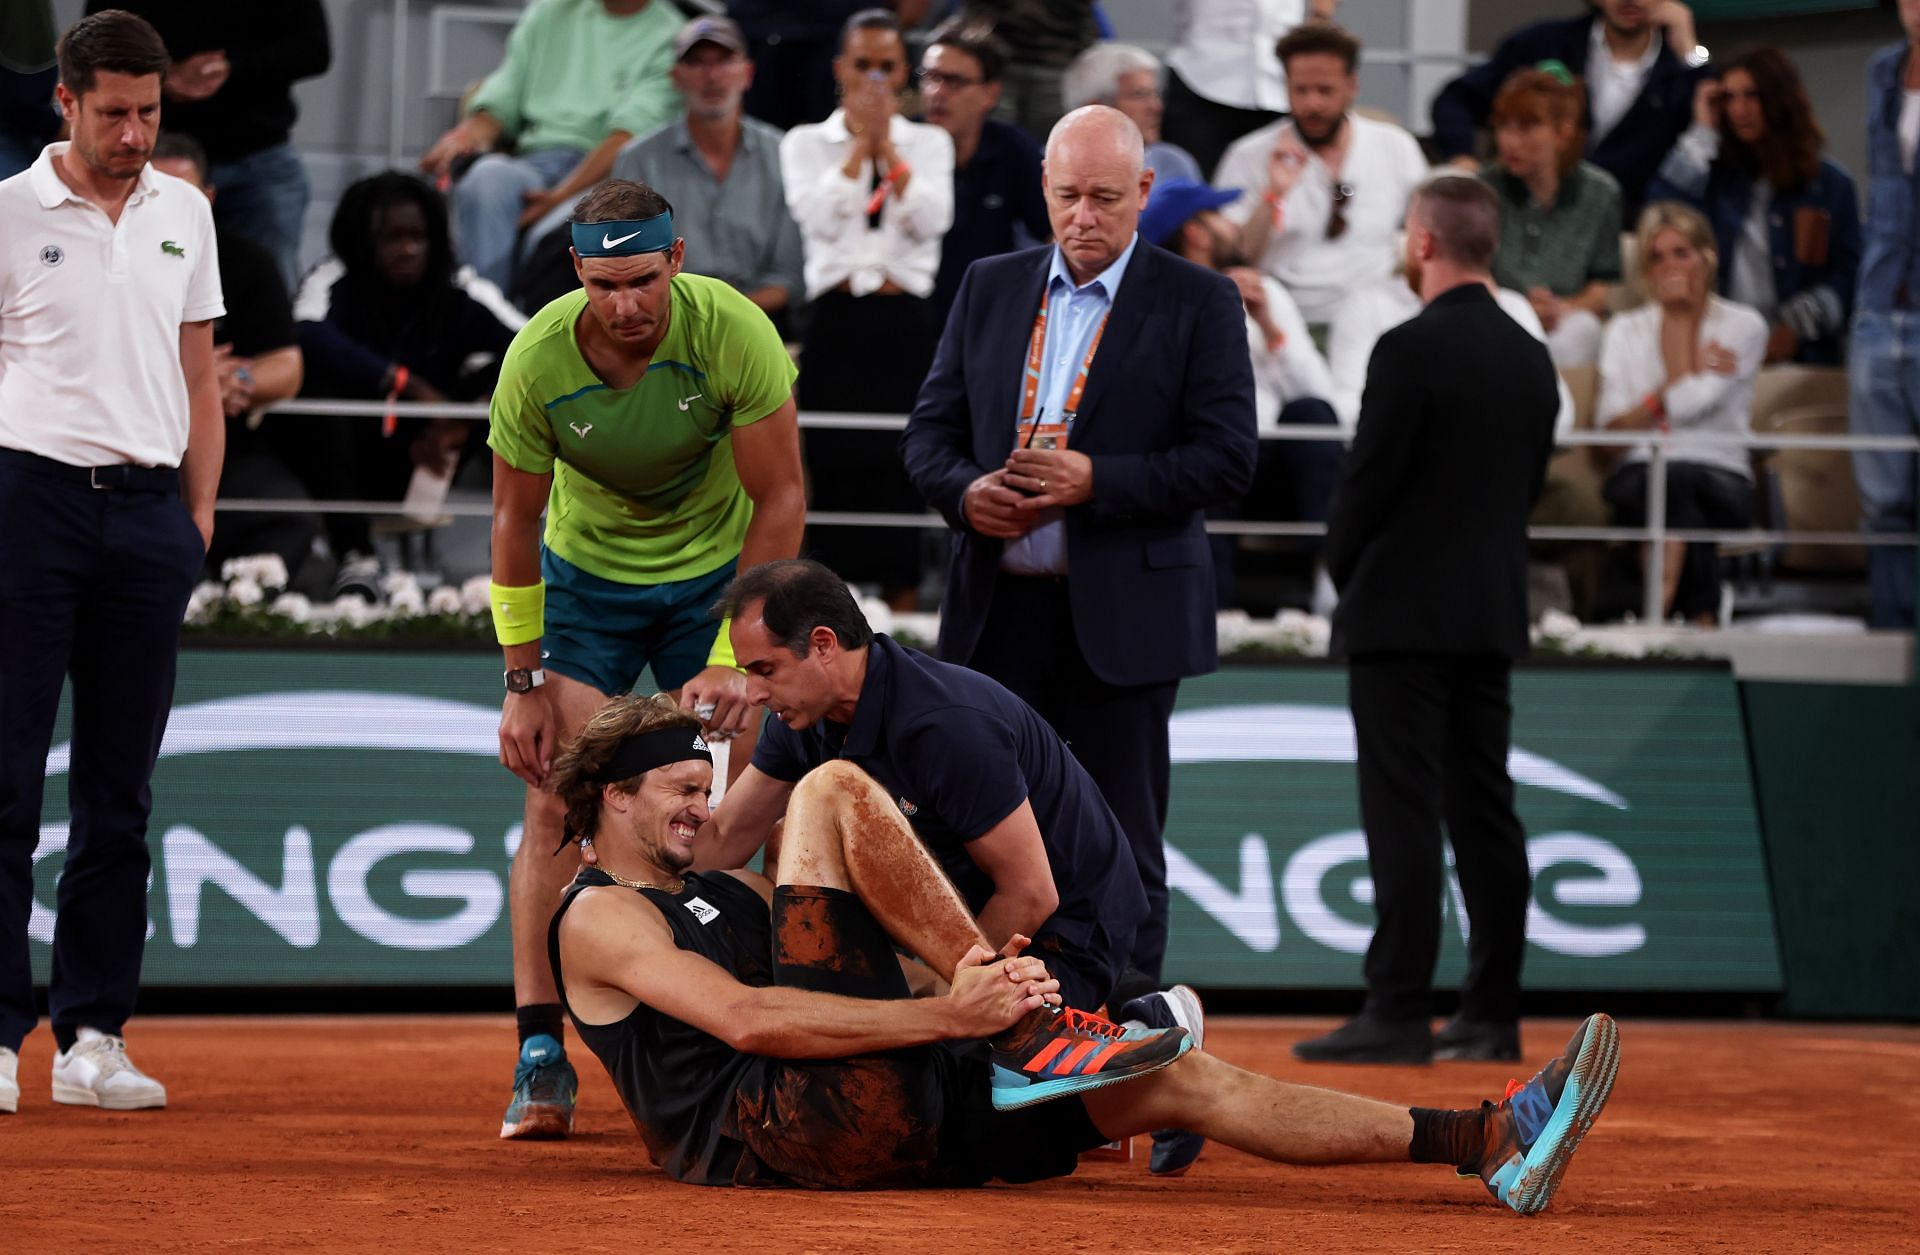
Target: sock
{"points": [[1450, 1137], [64, 1035], [541, 1017]]}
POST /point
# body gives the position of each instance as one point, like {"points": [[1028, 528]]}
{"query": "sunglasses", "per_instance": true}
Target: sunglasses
{"points": [[1337, 220]]}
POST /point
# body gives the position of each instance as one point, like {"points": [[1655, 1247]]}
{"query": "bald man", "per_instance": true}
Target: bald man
{"points": [[1089, 401]]}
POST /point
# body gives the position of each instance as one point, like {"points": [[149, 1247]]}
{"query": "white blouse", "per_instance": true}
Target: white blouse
{"points": [[1632, 368], [832, 209]]}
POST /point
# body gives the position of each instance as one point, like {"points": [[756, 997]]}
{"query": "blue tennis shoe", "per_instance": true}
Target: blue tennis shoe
{"points": [[1532, 1134]]}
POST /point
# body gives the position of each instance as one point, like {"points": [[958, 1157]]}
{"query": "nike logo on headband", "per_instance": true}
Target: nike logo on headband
{"points": [[607, 241]]}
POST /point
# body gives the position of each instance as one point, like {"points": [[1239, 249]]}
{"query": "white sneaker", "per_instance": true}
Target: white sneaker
{"points": [[97, 1073], [9, 1081]]}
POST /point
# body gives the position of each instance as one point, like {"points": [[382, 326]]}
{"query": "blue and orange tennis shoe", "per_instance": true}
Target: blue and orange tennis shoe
{"points": [[1532, 1134], [544, 1085], [1056, 1051]]}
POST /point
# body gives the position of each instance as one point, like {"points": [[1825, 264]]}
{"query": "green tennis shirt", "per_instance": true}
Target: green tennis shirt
{"points": [[644, 486]]}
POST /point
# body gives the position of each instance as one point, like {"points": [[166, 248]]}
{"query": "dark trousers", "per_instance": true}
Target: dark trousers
{"points": [[1118, 732], [1433, 735], [864, 354], [1697, 496], [97, 594], [1205, 127]]}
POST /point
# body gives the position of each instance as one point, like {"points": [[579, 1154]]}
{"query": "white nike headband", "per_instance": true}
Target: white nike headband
{"points": [[623, 238]]}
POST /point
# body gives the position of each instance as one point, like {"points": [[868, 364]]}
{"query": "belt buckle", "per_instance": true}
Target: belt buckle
{"points": [[93, 479]]}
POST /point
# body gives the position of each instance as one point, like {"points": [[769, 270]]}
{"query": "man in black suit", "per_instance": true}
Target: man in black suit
{"points": [[1087, 404], [1639, 60], [1427, 544]]}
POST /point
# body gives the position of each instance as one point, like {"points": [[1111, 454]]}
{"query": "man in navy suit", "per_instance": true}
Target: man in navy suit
{"points": [[1639, 60], [1089, 401]]}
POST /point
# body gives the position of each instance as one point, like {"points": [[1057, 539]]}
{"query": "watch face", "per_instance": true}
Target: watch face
{"points": [[519, 680]]}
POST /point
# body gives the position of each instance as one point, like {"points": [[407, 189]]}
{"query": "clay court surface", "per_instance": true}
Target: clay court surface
{"points": [[379, 1133]]}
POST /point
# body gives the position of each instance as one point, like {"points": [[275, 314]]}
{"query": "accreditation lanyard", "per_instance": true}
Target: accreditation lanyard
{"points": [[1053, 435]]}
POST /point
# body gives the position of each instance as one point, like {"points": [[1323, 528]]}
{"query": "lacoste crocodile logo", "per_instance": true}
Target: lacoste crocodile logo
{"points": [[171, 249]]}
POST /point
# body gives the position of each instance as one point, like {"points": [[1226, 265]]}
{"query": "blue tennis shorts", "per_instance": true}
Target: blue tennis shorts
{"points": [[605, 633]]}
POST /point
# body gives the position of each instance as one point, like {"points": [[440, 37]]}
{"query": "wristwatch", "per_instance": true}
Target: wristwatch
{"points": [[522, 680]]}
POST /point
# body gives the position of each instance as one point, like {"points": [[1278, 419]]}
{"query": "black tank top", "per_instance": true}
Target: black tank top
{"points": [[678, 1082]]}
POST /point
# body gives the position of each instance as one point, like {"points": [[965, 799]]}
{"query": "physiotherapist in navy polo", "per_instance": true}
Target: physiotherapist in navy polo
{"points": [[1012, 818], [111, 438], [1089, 401]]}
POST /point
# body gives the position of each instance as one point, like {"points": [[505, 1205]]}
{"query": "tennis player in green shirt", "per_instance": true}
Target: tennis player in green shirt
{"points": [[651, 416]]}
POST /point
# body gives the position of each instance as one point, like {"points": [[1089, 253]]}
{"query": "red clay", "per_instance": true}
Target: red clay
{"points": [[361, 1133]]}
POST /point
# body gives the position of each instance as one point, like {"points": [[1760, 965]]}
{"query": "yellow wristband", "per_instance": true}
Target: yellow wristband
{"points": [[721, 655], [518, 613]]}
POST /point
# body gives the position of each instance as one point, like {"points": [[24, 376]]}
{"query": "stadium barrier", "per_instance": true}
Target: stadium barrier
{"points": [[1660, 455]]}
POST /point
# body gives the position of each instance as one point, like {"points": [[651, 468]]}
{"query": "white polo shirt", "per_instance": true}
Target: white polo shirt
{"points": [[90, 315]]}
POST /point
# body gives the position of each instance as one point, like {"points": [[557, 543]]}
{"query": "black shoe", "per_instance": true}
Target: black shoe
{"points": [[1364, 1039], [1477, 1041]]}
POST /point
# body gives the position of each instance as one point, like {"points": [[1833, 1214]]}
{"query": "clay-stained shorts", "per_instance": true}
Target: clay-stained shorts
{"points": [[917, 1117]]}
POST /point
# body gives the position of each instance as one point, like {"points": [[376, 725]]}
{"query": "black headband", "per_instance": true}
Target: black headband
{"points": [[643, 751]]}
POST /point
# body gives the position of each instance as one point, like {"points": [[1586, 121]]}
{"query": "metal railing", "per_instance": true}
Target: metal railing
{"points": [[1660, 454]]}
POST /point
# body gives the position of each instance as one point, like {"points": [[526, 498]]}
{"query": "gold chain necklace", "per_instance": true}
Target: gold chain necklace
{"points": [[618, 879]]}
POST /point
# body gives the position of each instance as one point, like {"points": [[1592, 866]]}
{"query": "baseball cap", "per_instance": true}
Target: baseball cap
{"points": [[709, 29], [1170, 204]]}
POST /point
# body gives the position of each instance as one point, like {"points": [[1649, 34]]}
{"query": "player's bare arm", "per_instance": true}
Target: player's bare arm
{"points": [[766, 455], [1013, 856], [742, 822], [617, 952], [528, 725], [206, 426]]}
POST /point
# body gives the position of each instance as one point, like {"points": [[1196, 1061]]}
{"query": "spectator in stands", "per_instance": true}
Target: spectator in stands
{"points": [[1559, 215], [257, 356], [1882, 372], [998, 204], [729, 204], [793, 46], [580, 79], [1293, 479], [28, 120], [1045, 36], [1224, 78], [1785, 218], [389, 317], [231, 87], [873, 194], [1639, 61], [1322, 193], [1128, 78], [1684, 362]]}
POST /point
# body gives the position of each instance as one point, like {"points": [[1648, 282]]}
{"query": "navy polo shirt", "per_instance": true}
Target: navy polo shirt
{"points": [[958, 753], [998, 206]]}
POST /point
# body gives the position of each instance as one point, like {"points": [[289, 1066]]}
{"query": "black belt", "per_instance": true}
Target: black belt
{"points": [[122, 477]]}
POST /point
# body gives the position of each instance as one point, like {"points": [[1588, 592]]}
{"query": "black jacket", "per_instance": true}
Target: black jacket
{"points": [[271, 44], [1427, 541], [1631, 152], [1167, 419]]}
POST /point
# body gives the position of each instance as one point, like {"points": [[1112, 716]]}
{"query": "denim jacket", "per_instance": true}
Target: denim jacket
{"points": [[1816, 295], [1890, 267]]}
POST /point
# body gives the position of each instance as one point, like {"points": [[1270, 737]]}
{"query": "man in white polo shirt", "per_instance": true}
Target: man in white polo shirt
{"points": [[110, 446]]}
